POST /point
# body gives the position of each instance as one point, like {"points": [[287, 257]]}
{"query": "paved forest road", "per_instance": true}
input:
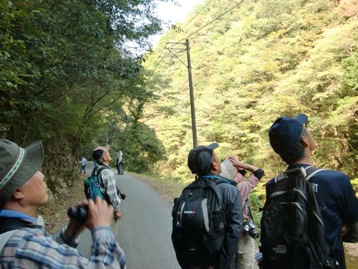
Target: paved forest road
{"points": [[145, 228]]}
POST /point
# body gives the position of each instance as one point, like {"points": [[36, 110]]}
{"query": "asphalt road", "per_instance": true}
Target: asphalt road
{"points": [[145, 228]]}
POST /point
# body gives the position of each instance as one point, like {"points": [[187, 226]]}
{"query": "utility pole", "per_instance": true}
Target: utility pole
{"points": [[191, 88]]}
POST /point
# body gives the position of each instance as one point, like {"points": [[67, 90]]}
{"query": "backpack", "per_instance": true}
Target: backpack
{"points": [[198, 220], [292, 230], [93, 186]]}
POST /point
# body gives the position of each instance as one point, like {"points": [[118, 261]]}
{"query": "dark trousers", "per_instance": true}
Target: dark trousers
{"points": [[120, 169]]}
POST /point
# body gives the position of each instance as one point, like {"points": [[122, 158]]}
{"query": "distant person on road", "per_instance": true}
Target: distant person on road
{"points": [[83, 165], [294, 143], [204, 162], [24, 242], [120, 162], [235, 169], [107, 179]]}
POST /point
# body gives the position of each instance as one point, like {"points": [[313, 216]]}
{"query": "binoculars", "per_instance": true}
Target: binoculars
{"points": [[78, 213]]}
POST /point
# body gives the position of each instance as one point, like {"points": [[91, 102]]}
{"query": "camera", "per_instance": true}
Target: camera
{"points": [[78, 213], [250, 228], [122, 195]]}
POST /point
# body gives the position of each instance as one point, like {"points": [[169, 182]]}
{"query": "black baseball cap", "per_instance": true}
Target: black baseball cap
{"points": [[200, 159], [286, 132]]}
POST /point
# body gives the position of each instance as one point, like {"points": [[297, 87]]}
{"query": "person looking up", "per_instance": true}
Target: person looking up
{"points": [[205, 164], [294, 143], [107, 179], [24, 242], [235, 169]]}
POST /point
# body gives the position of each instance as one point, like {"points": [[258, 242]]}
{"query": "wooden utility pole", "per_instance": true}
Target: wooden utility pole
{"points": [[191, 89]]}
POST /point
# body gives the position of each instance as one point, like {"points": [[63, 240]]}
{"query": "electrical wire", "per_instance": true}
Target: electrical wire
{"points": [[196, 14], [218, 17], [201, 28], [157, 64]]}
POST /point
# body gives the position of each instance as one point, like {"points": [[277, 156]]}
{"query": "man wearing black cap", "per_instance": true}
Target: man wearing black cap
{"points": [[204, 162], [290, 138], [24, 243]]}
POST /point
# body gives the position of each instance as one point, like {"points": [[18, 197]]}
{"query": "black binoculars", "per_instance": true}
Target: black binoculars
{"points": [[78, 213]]}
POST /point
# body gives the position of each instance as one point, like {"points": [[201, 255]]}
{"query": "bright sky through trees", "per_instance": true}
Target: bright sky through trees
{"points": [[172, 13]]}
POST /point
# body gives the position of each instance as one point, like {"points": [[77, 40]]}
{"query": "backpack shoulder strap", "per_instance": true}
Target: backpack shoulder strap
{"points": [[212, 184], [289, 173], [97, 172], [98, 169], [4, 237], [311, 171], [307, 172]]}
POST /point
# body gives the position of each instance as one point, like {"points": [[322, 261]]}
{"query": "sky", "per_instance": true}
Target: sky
{"points": [[175, 13], [171, 13]]}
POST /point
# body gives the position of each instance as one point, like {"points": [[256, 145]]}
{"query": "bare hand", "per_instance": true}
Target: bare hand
{"points": [[117, 215], [239, 165], [99, 213], [236, 162]]}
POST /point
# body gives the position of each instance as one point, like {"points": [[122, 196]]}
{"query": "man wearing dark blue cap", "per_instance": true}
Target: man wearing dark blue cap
{"points": [[204, 162], [290, 138]]}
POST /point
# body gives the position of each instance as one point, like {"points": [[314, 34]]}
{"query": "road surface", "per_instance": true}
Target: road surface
{"points": [[145, 228]]}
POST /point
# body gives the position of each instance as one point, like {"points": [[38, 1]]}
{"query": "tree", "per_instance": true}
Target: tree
{"points": [[255, 63], [61, 63]]}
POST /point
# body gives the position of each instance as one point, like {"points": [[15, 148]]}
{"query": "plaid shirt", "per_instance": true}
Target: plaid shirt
{"points": [[35, 248], [109, 185]]}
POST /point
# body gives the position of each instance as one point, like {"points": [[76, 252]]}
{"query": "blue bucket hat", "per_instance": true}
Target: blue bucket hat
{"points": [[286, 132]]}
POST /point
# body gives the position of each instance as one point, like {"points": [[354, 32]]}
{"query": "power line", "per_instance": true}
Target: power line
{"points": [[156, 65], [218, 17], [196, 14], [152, 72]]}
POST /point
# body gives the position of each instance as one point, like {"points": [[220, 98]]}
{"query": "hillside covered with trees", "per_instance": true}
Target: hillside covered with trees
{"points": [[253, 61], [79, 73]]}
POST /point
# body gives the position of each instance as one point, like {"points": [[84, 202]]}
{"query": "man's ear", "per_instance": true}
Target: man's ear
{"points": [[214, 166], [18, 194], [304, 141]]}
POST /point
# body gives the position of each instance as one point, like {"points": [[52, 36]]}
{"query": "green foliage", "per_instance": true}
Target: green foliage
{"points": [[255, 204], [355, 184], [143, 149], [69, 77], [66, 65], [259, 61]]}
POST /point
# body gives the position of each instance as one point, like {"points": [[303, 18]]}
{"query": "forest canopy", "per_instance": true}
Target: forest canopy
{"points": [[74, 75], [69, 76], [253, 61]]}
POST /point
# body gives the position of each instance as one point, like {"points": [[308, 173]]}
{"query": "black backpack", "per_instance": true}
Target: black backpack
{"points": [[198, 221], [292, 230]]}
